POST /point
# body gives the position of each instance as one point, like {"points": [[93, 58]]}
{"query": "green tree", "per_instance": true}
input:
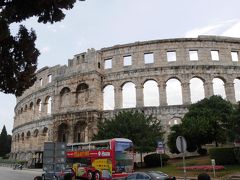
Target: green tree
{"points": [[5, 142], [143, 130], [234, 126], [18, 55], [206, 121], [177, 130]]}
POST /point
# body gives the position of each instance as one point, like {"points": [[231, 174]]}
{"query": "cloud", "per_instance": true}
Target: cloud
{"points": [[224, 28], [45, 49], [233, 31]]}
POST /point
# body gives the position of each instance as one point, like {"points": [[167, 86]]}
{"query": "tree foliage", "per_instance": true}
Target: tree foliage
{"points": [[5, 142], [205, 122], [18, 55], [234, 126], [143, 130]]}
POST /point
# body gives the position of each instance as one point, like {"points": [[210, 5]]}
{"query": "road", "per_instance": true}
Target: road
{"points": [[25, 174]]}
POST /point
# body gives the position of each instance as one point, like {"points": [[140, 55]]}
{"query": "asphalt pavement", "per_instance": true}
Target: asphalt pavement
{"points": [[7, 173]]}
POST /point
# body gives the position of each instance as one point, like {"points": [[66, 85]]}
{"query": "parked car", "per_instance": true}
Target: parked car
{"points": [[65, 174], [149, 175]]}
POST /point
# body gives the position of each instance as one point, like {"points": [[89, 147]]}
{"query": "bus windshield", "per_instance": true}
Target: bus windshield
{"points": [[124, 159]]}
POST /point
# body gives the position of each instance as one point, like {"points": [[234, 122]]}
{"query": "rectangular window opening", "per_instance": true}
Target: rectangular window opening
{"points": [[234, 55], [127, 60], [171, 56], [193, 55], [215, 55], [148, 58], [108, 64]]}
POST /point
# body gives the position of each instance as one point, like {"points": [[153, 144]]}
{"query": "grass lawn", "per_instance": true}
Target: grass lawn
{"points": [[172, 167]]}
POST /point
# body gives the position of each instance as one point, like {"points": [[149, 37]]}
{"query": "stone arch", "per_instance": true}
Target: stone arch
{"points": [[219, 86], [174, 91], [31, 106], [39, 105], [28, 134], [65, 97], [35, 133], [25, 107], [18, 137], [79, 131], [236, 82], [151, 93], [48, 102], [196, 89], [45, 130], [45, 133], [82, 94], [108, 97], [128, 95], [22, 136], [63, 132], [174, 120]]}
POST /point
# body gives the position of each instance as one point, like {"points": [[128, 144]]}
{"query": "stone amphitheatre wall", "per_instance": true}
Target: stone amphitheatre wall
{"points": [[66, 102]]}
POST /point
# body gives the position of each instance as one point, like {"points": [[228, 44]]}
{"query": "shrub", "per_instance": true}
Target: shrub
{"points": [[202, 151], [223, 156], [154, 160], [237, 153]]}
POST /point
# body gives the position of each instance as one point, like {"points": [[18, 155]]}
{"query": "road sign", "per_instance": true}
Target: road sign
{"points": [[181, 144]]}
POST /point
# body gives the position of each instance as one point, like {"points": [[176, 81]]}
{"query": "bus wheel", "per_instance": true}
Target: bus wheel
{"points": [[89, 175], [97, 176]]}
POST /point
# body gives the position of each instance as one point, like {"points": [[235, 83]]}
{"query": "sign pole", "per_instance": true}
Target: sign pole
{"points": [[161, 159], [183, 151], [182, 146], [213, 166]]}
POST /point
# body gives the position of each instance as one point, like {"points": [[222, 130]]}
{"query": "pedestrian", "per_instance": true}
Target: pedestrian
{"points": [[203, 176]]}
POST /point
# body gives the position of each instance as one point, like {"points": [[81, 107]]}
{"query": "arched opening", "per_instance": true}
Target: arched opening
{"points": [[39, 105], [48, 102], [79, 131], [129, 95], [65, 97], [28, 134], [151, 93], [25, 109], [237, 89], [82, 94], [108, 97], [45, 131], [63, 132], [22, 136], [174, 92], [31, 106], [218, 87], [35, 133], [196, 90]]}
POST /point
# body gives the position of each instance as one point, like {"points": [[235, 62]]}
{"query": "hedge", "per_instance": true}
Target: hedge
{"points": [[154, 160], [223, 156]]}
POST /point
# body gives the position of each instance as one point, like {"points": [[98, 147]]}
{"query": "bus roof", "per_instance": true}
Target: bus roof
{"points": [[100, 141]]}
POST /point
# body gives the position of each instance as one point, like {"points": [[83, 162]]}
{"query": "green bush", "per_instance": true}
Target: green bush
{"points": [[237, 153], [202, 151], [223, 156], [154, 160]]}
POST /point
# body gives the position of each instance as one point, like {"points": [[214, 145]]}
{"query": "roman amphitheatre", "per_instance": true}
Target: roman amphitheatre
{"points": [[159, 77]]}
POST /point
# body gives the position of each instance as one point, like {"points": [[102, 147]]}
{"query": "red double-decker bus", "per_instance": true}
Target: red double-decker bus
{"points": [[103, 159]]}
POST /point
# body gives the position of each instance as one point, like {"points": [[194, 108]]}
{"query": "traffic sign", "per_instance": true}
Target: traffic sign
{"points": [[181, 144]]}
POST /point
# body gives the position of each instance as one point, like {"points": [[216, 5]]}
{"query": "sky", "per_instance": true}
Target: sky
{"points": [[104, 23]]}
